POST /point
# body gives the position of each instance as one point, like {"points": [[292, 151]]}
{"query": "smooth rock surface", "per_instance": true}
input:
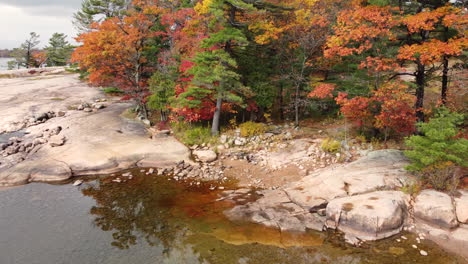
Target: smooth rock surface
{"points": [[455, 241], [369, 216], [56, 141], [97, 143], [461, 205], [382, 169], [435, 208]]}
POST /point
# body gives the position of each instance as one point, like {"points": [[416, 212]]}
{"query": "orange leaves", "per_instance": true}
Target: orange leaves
{"points": [[432, 51], [425, 20], [322, 91], [428, 20], [357, 28], [113, 51], [380, 65]]}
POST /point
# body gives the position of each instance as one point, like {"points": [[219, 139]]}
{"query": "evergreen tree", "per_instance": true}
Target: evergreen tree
{"points": [[162, 86], [439, 142], [59, 50], [95, 10], [215, 71], [19, 56], [27, 49]]}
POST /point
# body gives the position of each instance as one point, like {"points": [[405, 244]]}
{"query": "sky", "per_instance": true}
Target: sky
{"points": [[20, 17]]}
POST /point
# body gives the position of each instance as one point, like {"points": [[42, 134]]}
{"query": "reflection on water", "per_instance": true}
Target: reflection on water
{"points": [[153, 220]]}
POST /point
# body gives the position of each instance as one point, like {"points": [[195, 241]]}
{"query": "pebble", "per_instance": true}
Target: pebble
{"points": [[414, 246], [405, 238], [398, 240], [77, 183], [423, 253]]}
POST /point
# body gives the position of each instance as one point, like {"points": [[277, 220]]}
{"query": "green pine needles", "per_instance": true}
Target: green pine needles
{"points": [[439, 142]]}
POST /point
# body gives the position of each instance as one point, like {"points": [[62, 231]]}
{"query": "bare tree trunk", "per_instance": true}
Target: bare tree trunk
{"points": [[296, 107], [217, 115], [445, 81], [420, 83], [445, 71]]}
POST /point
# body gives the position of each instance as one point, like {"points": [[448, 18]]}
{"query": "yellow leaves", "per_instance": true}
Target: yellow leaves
{"points": [[203, 7], [268, 31]]}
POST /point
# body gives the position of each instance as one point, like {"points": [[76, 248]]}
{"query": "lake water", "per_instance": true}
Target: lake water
{"points": [[151, 219], [4, 63]]}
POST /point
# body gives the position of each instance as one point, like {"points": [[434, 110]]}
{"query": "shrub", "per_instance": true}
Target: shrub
{"points": [[192, 135], [112, 90], [440, 176], [438, 143], [331, 145], [250, 129], [411, 188]]}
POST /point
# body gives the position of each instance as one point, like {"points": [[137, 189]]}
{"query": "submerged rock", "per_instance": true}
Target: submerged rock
{"points": [[275, 210], [369, 216]]}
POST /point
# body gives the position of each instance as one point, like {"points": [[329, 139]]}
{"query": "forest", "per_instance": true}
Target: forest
{"points": [[385, 66]]}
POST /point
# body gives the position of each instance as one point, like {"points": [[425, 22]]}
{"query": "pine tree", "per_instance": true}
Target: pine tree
{"points": [[215, 71], [91, 9], [59, 50], [439, 142], [27, 49]]}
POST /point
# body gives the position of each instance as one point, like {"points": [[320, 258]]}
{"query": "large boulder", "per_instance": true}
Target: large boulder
{"points": [[382, 169], [435, 208], [205, 155], [461, 205], [369, 216]]}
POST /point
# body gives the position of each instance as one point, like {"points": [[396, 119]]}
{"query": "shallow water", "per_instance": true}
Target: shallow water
{"points": [[6, 136], [150, 219]]}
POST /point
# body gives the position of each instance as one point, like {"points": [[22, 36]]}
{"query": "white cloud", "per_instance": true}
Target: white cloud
{"points": [[17, 22]]}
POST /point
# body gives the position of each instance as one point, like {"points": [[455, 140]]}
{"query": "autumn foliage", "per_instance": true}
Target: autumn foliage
{"points": [[216, 59]]}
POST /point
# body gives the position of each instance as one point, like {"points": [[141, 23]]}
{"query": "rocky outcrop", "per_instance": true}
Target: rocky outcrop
{"points": [[369, 216], [63, 144], [461, 205], [435, 208], [299, 206]]}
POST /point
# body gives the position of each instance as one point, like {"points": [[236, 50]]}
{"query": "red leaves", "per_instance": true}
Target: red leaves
{"points": [[389, 108]]}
